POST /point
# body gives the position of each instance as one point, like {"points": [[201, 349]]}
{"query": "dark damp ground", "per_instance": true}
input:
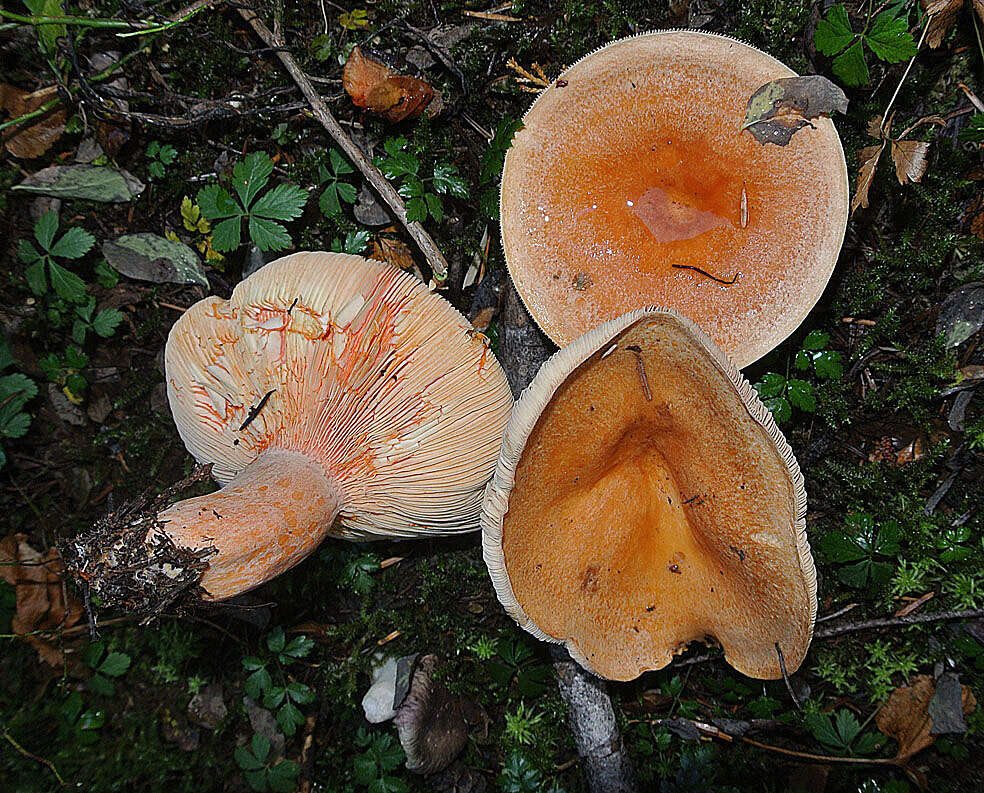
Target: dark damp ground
{"points": [[872, 420]]}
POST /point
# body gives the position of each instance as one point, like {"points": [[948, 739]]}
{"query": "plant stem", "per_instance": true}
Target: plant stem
{"points": [[85, 22], [32, 756]]}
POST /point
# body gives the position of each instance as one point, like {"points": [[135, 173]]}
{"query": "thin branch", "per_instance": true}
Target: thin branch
{"points": [[895, 622], [386, 191], [31, 756]]}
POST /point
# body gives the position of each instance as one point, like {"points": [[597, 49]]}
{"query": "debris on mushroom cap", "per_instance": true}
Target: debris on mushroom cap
{"points": [[430, 722], [645, 499], [635, 184], [332, 395], [378, 701]]}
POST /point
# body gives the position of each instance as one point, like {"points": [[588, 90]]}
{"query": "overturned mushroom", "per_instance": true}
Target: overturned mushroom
{"points": [[333, 395], [430, 721], [645, 499], [633, 182]]}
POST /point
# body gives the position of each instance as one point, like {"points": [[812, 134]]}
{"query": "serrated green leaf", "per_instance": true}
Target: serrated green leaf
{"points": [[772, 384], [347, 192], [300, 693], [816, 340], [27, 253], [74, 244], [364, 770], [974, 131], [388, 753], [75, 358], [153, 148], [256, 779], [283, 776], [887, 541], [252, 663], [822, 729], [339, 165], [851, 67], [416, 210], [246, 760], [115, 664], [328, 203], [800, 394], [828, 364], [249, 176], [283, 202], [855, 575], [838, 547], [289, 717], [257, 683], [779, 407], [19, 384], [214, 202], [802, 360], [834, 31], [156, 170], [67, 285], [227, 234], [268, 235], [298, 647], [276, 640], [92, 719], [259, 746], [394, 146], [168, 154], [273, 696], [847, 726], [45, 228], [107, 321], [434, 206], [889, 38], [101, 685], [446, 180]]}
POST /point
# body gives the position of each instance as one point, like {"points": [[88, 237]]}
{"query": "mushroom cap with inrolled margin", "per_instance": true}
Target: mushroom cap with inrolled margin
{"points": [[644, 499], [350, 393], [634, 160]]}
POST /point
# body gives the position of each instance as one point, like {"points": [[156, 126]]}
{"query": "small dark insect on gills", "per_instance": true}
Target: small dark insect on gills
{"points": [[738, 552], [674, 568], [704, 272], [256, 411], [562, 83], [641, 369], [692, 499], [292, 306]]}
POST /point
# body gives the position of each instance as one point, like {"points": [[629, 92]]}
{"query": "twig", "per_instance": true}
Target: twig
{"points": [[785, 678], [704, 272], [905, 74], [895, 622], [31, 756], [386, 191]]}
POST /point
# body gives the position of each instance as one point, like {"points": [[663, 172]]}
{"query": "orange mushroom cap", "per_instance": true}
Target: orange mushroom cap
{"points": [[634, 163], [333, 395], [644, 498]]}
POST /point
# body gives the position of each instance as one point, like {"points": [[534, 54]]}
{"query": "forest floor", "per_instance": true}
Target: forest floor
{"points": [[878, 393]]}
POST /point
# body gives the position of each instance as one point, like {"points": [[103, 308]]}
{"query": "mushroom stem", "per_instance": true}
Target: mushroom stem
{"points": [[282, 506]]}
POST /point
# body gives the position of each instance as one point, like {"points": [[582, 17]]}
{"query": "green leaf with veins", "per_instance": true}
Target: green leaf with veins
{"points": [[249, 176], [890, 39]]}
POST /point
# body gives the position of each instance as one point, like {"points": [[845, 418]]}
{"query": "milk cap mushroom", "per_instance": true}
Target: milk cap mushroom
{"points": [[644, 499], [633, 168], [333, 396]]}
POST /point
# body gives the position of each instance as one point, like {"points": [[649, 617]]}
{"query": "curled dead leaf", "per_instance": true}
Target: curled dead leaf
{"points": [[975, 216], [868, 157], [41, 599], [376, 87], [779, 108], [36, 137], [906, 715], [393, 251], [942, 14], [910, 158]]}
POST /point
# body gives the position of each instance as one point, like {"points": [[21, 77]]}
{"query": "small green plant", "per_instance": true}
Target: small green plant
{"points": [[260, 771], [42, 268], [492, 162], [883, 664], [159, 156], [103, 324], [423, 193], [842, 734], [106, 275], [281, 694], [484, 648], [16, 390], [521, 725], [196, 683], [519, 775], [910, 577], [355, 242], [781, 393], [351, 567], [284, 202], [357, 19], [966, 589], [886, 35], [77, 723], [381, 756], [335, 190], [861, 549], [516, 661], [105, 667], [974, 129], [65, 370], [813, 355]]}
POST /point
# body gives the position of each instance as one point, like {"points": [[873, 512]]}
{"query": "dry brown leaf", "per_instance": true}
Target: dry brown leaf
{"points": [[35, 139], [41, 604], [868, 157], [911, 159], [975, 216], [942, 14], [396, 252], [979, 8], [376, 87], [905, 716], [915, 450]]}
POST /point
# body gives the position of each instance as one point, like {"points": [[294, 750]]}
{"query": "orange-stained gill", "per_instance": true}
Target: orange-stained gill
{"points": [[639, 162], [367, 393]]}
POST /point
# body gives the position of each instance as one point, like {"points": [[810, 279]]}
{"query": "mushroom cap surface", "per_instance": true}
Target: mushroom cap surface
{"points": [[357, 366], [634, 160], [644, 498]]}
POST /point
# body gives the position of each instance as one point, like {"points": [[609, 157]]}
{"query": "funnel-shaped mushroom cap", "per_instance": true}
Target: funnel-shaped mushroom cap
{"points": [[644, 499], [353, 365], [635, 160]]}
